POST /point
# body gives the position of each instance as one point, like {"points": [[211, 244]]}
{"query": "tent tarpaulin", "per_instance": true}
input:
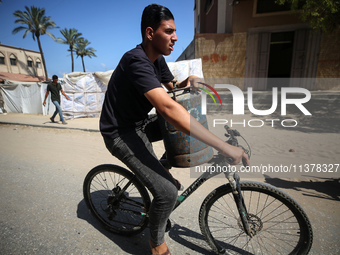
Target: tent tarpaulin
{"points": [[182, 69], [25, 97], [85, 90]]}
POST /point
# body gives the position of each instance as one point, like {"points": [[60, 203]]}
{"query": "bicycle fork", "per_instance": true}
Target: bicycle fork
{"points": [[234, 181]]}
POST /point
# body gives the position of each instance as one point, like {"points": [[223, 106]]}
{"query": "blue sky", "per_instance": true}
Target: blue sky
{"points": [[112, 27]]}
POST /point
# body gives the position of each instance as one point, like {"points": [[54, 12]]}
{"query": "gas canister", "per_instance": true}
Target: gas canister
{"points": [[181, 149]]}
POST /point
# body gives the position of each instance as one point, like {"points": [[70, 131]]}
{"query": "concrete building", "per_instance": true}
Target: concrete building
{"points": [[20, 64], [248, 41]]}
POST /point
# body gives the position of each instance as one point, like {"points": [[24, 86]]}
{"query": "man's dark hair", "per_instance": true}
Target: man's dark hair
{"points": [[153, 15], [54, 77]]}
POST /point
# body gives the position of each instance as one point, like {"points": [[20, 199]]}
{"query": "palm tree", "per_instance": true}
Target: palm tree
{"points": [[33, 20], [82, 51], [71, 38]]}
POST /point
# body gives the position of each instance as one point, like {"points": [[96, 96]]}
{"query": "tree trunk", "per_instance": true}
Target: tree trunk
{"points": [[82, 60], [42, 57], [71, 49]]}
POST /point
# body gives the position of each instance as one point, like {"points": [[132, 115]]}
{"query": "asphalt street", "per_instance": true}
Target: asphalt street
{"points": [[43, 212]]}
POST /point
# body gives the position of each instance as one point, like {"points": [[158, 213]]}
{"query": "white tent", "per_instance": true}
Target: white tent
{"points": [[25, 97]]}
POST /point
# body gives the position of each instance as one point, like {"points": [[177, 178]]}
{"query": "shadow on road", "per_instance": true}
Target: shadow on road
{"points": [[131, 245], [138, 244], [189, 239], [328, 189]]}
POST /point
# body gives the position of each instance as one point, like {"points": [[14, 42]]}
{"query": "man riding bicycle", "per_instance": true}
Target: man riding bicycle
{"points": [[128, 131]]}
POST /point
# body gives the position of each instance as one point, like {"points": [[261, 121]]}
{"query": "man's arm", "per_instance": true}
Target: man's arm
{"points": [[62, 92], [185, 83], [179, 117], [46, 95]]}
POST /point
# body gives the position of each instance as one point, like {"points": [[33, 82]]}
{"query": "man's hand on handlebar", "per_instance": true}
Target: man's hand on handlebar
{"points": [[235, 155], [192, 81]]}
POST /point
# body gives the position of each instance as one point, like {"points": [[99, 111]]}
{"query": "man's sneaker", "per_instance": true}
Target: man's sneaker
{"points": [[64, 122], [52, 120]]}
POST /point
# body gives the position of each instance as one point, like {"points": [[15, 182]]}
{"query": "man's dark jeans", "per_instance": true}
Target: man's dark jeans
{"points": [[135, 150]]}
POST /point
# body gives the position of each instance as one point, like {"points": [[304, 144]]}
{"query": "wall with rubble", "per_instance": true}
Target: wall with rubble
{"points": [[329, 62], [223, 57]]}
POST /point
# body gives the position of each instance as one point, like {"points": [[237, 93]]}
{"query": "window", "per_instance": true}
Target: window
{"points": [[2, 60], [29, 63], [208, 5], [265, 6], [38, 64], [13, 60]]}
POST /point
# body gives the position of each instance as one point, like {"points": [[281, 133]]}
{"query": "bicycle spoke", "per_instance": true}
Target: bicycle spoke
{"points": [[226, 205], [270, 242]]}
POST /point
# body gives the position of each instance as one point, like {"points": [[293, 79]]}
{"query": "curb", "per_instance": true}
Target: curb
{"points": [[35, 125]]}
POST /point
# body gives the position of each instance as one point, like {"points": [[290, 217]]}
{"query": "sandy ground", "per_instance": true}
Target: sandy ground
{"points": [[42, 170]]}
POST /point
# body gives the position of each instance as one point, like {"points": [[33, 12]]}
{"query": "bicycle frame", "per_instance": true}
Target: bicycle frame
{"points": [[195, 185], [233, 179]]}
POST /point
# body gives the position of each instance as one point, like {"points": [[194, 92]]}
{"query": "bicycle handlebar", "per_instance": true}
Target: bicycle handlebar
{"points": [[231, 134]]}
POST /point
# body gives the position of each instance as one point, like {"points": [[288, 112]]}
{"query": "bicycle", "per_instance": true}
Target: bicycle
{"points": [[239, 217]]}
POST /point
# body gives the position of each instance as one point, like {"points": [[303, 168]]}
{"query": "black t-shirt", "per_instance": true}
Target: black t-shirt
{"points": [[54, 89], [125, 105]]}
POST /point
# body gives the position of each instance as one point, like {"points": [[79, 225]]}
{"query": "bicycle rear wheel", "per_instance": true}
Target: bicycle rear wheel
{"points": [[280, 224], [117, 199]]}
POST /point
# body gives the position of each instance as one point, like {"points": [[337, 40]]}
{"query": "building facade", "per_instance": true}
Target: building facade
{"points": [[253, 42], [22, 63]]}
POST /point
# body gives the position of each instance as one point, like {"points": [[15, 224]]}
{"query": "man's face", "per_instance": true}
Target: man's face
{"points": [[164, 37], [55, 81]]}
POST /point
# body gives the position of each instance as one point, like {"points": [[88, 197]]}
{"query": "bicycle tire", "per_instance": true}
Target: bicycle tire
{"points": [[281, 224], [126, 216]]}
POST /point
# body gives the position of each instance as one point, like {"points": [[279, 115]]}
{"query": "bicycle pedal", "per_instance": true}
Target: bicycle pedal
{"points": [[168, 226]]}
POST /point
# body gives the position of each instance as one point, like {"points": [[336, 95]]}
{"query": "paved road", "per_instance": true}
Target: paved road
{"points": [[43, 212]]}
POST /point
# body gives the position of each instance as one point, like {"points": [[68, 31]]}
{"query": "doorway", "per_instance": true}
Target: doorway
{"points": [[280, 59], [290, 52]]}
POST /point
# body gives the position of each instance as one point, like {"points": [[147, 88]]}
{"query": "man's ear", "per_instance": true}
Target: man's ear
{"points": [[149, 33]]}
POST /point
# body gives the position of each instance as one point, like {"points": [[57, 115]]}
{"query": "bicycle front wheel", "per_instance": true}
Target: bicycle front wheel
{"points": [[117, 199], [279, 223]]}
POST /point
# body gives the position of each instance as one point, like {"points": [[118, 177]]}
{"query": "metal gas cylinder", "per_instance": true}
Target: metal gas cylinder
{"points": [[181, 149]]}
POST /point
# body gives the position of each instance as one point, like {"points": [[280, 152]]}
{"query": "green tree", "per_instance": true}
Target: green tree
{"points": [[34, 21], [82, 50], [323, 15], [72, 36]]}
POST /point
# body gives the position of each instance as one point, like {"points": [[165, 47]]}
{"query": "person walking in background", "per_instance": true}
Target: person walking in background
{"points": [[54, 87]]}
